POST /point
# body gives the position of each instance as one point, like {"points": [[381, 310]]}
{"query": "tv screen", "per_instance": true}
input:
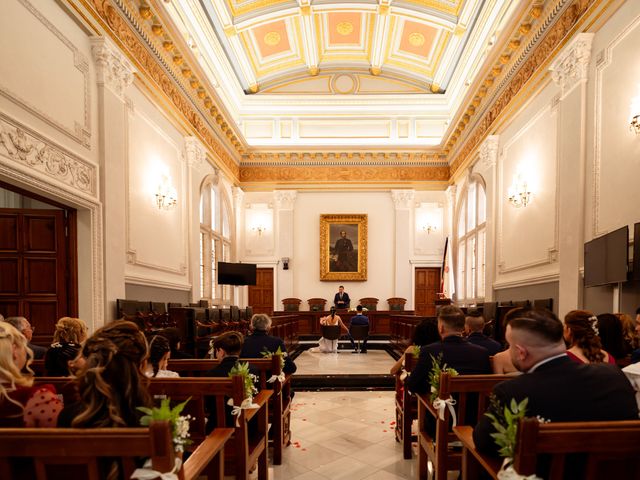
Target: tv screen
{"points": [[606, 258], [636, 251], [236, 273]]}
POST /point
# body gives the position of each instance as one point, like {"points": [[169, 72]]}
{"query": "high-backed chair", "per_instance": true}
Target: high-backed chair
{"points": [[370, 303], [543, 303], [317, 304], [359, 333], [396, 303], [291, 304]]}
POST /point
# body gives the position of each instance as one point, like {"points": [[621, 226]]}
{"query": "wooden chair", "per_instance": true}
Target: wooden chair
{"points": [[359, 333], [291, 304], [605, 449], [396, 303], [247, 446], [317, 304], [467, 389], [61, 453], [406, 407], [370, 303]]}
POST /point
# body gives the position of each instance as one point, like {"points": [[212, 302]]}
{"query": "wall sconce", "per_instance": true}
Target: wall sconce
{"points": [[519, 193], [635, 124], [166, 195], [259, 229], [427, 227]]}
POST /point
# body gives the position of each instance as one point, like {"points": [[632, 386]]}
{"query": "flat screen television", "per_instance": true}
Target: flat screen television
{"points": [[636, 251], [236, 273], [606, 258]]}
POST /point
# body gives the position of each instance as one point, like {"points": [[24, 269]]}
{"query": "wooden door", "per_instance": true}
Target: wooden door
{"points": [[36, 269], [261, 294], [427, 287]]}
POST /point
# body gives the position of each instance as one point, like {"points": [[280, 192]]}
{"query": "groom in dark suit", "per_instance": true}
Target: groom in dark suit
{"points": [[558, 389]]}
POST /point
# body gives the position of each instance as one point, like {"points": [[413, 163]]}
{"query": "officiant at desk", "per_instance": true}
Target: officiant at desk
{"points": [[341, 299]]}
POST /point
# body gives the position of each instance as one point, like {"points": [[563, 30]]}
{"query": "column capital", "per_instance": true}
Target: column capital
{"points": [[194, 152], [113, 70], [285, 199], [570, 68], [402, 199], [489, 151]]}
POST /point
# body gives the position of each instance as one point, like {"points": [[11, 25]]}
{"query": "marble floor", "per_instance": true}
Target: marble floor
{"points": [[348, 435], [344, 362]]}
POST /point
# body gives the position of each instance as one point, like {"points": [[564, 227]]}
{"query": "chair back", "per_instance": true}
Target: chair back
{"points": [[331, 332], [370, 303], [359, 332]]}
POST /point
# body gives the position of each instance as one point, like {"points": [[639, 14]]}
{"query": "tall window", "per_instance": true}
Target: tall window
{"points": [[215, 240], [471, 242]]}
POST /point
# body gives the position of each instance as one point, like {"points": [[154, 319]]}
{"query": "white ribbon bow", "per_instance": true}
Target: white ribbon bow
{"points": [[246, 404], [280, 378], [508, 473], [148, 473], [440, 404]]}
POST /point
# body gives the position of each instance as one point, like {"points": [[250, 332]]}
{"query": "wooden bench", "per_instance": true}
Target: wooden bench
{"points": [[609, 449], [406, 407], [60, 453], [248, 445], [465, 388], [279, 403]]}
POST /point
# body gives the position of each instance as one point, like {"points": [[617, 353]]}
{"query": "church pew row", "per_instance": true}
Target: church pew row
{"points": [[279, 403], [406, 407], [59, 453], [606, 449], [471, 394]]}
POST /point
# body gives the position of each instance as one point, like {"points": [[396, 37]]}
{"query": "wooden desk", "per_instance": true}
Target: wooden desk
{"points": [[380, 321]]}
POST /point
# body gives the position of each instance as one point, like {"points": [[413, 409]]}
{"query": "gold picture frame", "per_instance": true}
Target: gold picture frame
{"points": [[343, 247]]}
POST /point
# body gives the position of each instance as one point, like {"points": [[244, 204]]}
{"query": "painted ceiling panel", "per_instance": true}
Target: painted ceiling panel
{"points": [[344, 28], [272, 38], [418, 39]]}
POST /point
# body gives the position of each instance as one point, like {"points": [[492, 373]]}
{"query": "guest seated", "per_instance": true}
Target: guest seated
{"points": [[501, 363], [159, 354], [24, 327], [70, 330], [21, 404], [112, 383], [330, 346], [173, 335], [358, 319], [456, 351], [425, 333], [61, 359], [473, 327], [635, 355], [629, 334], [260, 341], [581, 334], [558, 389], [610, 329]]}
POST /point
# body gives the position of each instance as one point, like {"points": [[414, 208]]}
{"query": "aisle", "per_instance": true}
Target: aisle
{"points": [[344, 362], [346, 435]]}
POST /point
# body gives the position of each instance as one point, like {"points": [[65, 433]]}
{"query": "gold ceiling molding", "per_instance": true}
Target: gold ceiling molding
{"points": [[553, 38], [160, 70], [343, 174], [327, 158]]}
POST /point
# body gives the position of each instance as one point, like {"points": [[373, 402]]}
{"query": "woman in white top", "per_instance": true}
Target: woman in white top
{"points": [[330, 346], [159, 353]]}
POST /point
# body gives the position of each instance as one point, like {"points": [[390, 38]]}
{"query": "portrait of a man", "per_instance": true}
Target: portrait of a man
{"points": [[343, 247], [344, 257]]}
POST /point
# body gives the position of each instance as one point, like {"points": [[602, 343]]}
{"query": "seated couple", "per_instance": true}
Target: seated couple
{"points": [[326, 345]]}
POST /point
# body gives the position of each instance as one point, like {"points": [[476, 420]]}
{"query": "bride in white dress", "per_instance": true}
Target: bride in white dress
{"points": [[329, 346]]}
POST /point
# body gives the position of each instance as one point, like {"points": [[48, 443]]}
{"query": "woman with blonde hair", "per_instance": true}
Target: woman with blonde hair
{"points": [[581, 334], [62, 359], [22, 404], [70, 330]]}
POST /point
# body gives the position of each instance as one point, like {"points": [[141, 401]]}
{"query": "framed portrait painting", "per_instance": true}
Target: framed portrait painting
{"points": [[343, 247]]}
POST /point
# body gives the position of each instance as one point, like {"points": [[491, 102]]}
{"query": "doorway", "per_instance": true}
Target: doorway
{"points": [[427, 285], [261, 294]]}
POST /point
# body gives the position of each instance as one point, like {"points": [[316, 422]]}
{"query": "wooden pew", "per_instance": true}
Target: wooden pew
{"points": [[247, 446], [60, 453], [279, 403], [406, 407], [608, 449], [464, 388]]}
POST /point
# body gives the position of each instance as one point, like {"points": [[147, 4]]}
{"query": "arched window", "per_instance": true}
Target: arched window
{"points": [[215, 240], [471, 243]]}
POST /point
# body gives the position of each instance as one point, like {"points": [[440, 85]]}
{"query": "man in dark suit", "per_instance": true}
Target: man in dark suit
{"points": [[260, 341], [456, 351], [558, 389], [473, 326], [345, 260], [359, 319], [341, 299], [25, 328]]}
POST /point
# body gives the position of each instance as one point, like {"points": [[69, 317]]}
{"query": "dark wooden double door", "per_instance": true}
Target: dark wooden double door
{"points": [[427, 286], [261, 294], [37, 270]]}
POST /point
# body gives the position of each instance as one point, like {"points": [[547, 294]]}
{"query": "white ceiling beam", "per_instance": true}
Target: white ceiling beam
{"points": [[380, 37], [309, 39]]}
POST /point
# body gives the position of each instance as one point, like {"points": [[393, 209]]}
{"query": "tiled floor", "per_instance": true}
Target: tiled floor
{"points": [[344, 362], [348, 435]]}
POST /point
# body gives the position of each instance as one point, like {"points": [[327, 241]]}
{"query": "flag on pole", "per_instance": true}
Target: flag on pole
{"points": [[447, 284]]}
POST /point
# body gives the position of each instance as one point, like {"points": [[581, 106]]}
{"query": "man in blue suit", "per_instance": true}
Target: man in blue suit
{"points": [[359, 319]]}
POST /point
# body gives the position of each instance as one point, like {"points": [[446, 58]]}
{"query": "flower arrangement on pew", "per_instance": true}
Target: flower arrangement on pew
{"points": [[249, 379], [279, 353], [434, 376], [179, 423]]}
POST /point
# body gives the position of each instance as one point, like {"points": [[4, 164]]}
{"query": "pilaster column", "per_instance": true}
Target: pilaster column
{"points": [[194, 155], [114, 75], [570, 72], [241, 293], [404, 231], [284, 202], [488, 158]]}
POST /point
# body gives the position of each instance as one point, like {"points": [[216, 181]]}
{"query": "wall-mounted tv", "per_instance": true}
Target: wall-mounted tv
{"points": [[236, 273], [606, 258], [636, 251]]}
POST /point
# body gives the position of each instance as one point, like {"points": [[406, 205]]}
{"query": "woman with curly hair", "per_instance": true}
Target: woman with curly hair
{"points": [[62, 359], [582, 336], [112, 383], [22, 404]]}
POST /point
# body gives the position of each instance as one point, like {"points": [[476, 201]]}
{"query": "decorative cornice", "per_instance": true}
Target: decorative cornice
{"points": [[285, 199], [570, 68], [113, 70], [35, 152], [342, 174], [194, 152], [489, 151], [537, 57], [402, 199], [328, 158]]}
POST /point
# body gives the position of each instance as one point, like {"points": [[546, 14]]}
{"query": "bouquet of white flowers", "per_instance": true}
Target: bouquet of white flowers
{"points": [[179, 423]]}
